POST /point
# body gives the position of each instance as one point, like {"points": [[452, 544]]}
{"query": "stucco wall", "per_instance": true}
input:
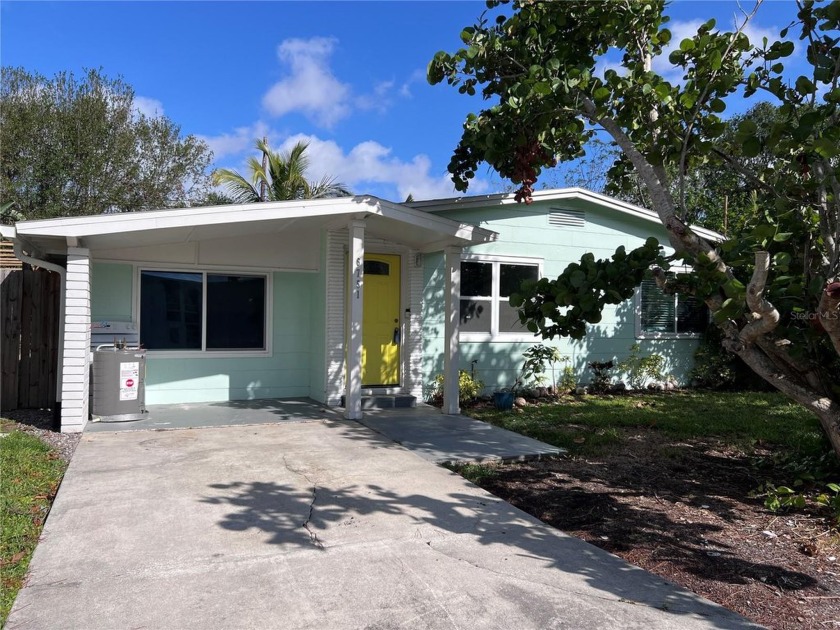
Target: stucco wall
{"points": [[525, 231]]}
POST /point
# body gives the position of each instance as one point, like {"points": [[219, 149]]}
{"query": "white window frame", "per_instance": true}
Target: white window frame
{"points": [[643, 334], [496, 261], [205, 353]]}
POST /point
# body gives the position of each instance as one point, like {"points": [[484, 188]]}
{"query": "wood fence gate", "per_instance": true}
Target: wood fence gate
{"points": [[29, 307]]}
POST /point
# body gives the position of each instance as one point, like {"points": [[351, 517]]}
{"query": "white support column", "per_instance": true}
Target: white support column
{"points": [[451, 356], [355, 300], [75, 367], [336, 355]]}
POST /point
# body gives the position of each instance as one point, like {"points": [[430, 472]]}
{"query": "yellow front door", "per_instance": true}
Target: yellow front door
{"points": [[381, 321]]}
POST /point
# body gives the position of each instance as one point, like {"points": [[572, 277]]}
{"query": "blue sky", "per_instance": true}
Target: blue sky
{"points": [[349, 77]]}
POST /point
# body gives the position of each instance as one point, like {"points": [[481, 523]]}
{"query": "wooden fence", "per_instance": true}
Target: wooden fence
{"points": [[29, 307]]}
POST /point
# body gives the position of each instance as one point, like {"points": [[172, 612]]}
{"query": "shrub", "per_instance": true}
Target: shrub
{"points": [[601, 379], [641, 369], [538, 360], [568, 380], [811, 481], [716, 368], [469, 388]]}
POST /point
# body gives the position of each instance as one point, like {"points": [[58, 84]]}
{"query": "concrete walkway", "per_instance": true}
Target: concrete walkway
{"points": [[445, 439], [314, 525], [423, 429], [223, 414]]}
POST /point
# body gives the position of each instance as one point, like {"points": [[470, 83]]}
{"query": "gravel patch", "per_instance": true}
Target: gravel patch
{"points": [[38, 422]]}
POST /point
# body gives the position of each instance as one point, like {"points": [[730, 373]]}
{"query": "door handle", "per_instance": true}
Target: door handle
{"points": [[396, 339]]}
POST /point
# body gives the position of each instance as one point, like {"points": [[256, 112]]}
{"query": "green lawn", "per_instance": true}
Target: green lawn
{"points": [[31, 473], [590, 425]]}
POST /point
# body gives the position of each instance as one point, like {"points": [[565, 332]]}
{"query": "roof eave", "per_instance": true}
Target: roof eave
{"points": [[100, 224], [451, 231], [556, 194]]}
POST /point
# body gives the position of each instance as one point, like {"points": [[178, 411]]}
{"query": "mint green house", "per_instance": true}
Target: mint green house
{"points": [[540, 240], [337, 298]]}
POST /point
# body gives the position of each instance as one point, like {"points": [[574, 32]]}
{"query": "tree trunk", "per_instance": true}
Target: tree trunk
{"points": [[819, 404], [829, 312]]}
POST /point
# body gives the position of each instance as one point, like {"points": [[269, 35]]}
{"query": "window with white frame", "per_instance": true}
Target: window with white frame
{"points": [[198, 311], [486, 286], [663, 315]]}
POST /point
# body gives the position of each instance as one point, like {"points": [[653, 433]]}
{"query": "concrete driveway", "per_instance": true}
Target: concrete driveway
{"points": [[314, 525]]}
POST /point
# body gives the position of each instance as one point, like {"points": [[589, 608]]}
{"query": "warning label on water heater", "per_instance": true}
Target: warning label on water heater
{"points": [[129, 380]]}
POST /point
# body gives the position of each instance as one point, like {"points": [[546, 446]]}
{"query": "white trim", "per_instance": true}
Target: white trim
{"points": [[358, 207], [335, 305], [374, 246], [204, 353], [354, 282], [496, 261], [451, 348], [525, 260], [195, 265], [413, 339], [75, 350], [556, 194]]}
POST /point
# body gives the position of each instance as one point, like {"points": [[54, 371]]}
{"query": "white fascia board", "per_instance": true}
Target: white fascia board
{"points": [[99, 224], [94, 225], [8, 232], [421, 218], [557, 194]]}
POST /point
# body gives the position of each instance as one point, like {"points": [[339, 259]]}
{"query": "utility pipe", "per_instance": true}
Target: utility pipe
{"points": [[62, 274]]}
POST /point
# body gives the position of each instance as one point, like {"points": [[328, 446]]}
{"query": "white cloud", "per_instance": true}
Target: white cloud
{"points": [[238, 140], [379, 100], [418, 76], [687, 29], [370, 162], [758, 33], [604, 64], [310, 87], [149, 107], [680, 30], [368, 167]]}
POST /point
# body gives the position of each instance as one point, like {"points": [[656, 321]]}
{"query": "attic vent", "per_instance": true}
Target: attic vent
{"points": [[563, 217]]}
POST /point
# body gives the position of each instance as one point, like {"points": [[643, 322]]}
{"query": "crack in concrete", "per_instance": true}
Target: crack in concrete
{"points": [[313, 536]]}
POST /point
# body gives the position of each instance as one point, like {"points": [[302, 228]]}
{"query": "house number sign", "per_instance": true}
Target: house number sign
{"points": [[358, 274]]}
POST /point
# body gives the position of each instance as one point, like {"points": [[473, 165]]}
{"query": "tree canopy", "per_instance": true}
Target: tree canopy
{"points": [[716, 196], [78, 145], [774, 287], [279, 176]]}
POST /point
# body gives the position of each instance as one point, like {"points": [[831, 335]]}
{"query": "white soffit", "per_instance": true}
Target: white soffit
{"points": [[191, 224]]}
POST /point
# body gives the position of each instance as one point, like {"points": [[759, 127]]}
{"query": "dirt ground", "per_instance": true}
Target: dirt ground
{"points": [[681, 511]]}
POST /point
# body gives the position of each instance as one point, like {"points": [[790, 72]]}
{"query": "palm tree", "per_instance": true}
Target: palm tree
{"points": [[279, 177]]}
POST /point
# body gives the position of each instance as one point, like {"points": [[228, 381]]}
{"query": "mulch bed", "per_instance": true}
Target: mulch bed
{"points": [[682, 512]]}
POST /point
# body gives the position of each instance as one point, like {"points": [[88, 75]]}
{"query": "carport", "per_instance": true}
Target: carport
{"points": [[321, 244]]}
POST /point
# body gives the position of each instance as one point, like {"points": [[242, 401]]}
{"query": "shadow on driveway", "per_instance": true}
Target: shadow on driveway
{"points": [[315, 525]]}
